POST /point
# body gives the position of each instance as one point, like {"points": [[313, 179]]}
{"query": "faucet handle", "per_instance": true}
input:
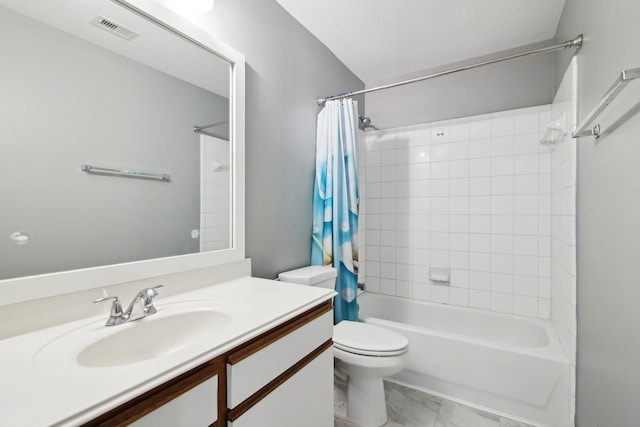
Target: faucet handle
{"points": [[106, 299], [116, 307], [150, 293], [116, 315], [155, 293], [147, 299]]}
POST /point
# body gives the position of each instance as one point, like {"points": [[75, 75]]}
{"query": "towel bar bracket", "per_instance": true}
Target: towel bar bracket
{"points": [[594, 131]]}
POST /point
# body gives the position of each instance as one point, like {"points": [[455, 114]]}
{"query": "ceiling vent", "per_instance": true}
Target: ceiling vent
{"points": [[114, 28]]}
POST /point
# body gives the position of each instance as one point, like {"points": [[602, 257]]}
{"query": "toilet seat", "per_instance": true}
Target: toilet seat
{"points": [[368, 340]]}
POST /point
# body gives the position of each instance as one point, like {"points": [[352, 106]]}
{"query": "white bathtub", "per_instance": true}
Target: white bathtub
{"points": [[508, 364]]}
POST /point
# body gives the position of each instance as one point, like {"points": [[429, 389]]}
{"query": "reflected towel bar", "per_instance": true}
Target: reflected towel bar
{"points": [[586, 129], [201, 129], [124, 172]]}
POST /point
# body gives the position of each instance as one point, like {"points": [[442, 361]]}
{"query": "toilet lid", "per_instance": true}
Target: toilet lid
{"points": [[368, 339]]}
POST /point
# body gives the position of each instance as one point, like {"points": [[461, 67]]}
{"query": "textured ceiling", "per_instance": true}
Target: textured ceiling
{"points": [[381, 40]]}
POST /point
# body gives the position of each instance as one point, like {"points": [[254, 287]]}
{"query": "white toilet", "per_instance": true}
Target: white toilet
{"points": [[365, 353]]}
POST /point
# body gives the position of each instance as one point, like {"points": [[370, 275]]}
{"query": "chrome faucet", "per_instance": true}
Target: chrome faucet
{"points": [[144, 300]]}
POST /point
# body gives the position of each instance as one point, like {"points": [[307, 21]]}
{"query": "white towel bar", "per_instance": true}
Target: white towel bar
{"points": [[124, 172], [587, 128]]}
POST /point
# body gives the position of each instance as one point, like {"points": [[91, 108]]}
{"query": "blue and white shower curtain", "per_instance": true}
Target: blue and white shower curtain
{"points": [[336, 200]]}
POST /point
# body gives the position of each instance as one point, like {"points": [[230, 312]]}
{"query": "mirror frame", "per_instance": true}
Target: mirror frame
{"points": [[28, 288]]}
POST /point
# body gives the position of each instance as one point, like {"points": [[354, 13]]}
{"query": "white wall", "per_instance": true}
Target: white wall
{"points": [[287, 69], [608, 209], [498, 87], [470, 193]]}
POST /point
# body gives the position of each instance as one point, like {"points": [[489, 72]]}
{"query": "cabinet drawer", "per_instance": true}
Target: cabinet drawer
{"points": [[246, 374], [172, 402], [195, 408], [305, 399]]}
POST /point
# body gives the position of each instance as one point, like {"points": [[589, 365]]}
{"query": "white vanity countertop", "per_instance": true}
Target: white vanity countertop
{"points": [[39, 390]]}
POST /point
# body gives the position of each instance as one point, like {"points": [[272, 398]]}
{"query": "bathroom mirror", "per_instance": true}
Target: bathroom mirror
{"points": [[121, 143]]}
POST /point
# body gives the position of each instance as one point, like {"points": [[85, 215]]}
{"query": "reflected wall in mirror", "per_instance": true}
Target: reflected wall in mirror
{"points": [[94, 83]]}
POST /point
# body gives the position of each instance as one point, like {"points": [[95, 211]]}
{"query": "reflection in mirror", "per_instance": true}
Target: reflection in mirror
{"points": [[91, 83]]}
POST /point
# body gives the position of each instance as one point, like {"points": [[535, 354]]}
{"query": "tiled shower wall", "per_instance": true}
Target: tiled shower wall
{"points": [[214, 194], [563, 222], [471, 194]]}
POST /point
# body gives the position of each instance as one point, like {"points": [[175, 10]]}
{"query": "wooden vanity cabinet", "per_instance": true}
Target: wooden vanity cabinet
{"points": [[283, 377], [187, 400]]}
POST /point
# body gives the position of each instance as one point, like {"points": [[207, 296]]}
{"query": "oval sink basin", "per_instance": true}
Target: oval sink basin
{"points": [[187, 327], [152, 337]]}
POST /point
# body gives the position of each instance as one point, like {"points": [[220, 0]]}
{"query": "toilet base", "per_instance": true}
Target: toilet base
{"points": [[364, 395], [366, 404]]}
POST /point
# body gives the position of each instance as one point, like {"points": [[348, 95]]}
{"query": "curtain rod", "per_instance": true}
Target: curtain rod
{"points": [[575, 43]]}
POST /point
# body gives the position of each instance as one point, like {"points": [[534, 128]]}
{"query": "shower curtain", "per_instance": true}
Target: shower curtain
{"points": [[336, 200]]}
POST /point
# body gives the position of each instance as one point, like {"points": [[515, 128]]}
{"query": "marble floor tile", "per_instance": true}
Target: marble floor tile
{"points": [[339, 397], [417, 396], [339, 401], [506, 422], [343, 423], [408, 407], [456, 415]]}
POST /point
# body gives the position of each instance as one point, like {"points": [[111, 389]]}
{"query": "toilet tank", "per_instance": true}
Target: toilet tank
{"points": [[323, 276]]}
